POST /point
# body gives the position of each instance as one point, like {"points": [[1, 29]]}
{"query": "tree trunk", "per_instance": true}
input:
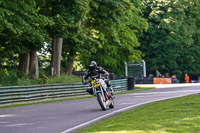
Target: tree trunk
{"points": [[70, 63], [34, 67], [56, 57], [24, 60], [70, 60]]}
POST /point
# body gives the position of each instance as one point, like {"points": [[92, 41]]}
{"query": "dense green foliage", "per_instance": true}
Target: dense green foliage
{"points": [[116, 25], [171, 44], [21, 27], [163, 33]]}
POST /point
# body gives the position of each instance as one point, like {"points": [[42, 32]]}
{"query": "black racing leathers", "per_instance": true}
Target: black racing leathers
{"points": [[94, 74]]}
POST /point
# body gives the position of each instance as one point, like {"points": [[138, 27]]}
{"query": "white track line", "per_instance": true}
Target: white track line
{"points": [[112, 113], [149, 93], [168, 85]]}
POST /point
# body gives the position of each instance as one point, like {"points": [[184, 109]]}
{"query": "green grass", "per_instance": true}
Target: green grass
{"points": [[72, 98], [179, 115], [135, 90]]}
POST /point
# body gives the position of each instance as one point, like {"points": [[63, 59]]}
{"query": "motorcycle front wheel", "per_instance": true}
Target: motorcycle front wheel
{"points": [[101, 101]]}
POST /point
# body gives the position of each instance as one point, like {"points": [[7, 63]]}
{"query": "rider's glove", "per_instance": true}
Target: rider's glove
{"points": [[84, 82]]}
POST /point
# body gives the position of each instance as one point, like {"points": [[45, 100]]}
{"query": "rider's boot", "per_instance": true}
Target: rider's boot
{"points": [[111, 92]]}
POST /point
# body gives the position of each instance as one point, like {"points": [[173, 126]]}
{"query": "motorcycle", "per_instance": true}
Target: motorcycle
{"points": [[101, 91]]}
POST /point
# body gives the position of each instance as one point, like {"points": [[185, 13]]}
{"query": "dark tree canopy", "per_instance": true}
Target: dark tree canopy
{"points": [[171, 44]]}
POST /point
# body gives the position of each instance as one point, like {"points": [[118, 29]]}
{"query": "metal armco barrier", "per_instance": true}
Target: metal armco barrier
{"points": [[120, 85], [18, 94]]}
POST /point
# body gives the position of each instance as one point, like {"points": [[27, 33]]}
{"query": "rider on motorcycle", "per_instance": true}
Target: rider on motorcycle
{"points": [[93, 72]]}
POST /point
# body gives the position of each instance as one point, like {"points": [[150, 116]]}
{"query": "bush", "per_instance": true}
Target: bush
{"points": [[8, 78], [12, 78], [64, 79]]}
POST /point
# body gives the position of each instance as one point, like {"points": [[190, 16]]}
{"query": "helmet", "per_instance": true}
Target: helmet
{"points": [[92, 65]]}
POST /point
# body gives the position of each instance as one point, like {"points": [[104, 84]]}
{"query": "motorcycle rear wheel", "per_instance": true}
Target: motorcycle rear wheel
{"points": [[102, 103]]}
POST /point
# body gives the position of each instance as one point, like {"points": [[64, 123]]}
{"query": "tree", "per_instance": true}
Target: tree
{"points": [[65, 15], [33, 67], [69, 19], [116, 25], [24, 62], [56, 56], [169, 45], [22, 29]]}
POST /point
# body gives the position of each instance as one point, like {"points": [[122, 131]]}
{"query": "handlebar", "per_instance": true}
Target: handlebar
{"points": [[94, 79]]}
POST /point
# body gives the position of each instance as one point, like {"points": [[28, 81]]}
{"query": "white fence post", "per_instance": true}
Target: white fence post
{"points": [[126, 69]]}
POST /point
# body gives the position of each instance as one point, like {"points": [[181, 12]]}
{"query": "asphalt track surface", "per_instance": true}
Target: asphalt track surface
{"points": [[69, 116]]}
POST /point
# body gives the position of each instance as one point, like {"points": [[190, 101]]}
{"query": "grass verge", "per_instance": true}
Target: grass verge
{"points": [[73, 98], [46, 101], [178, 115], [135, 90]]}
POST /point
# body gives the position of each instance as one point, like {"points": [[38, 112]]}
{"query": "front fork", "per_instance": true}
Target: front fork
{"points": [[103, 94]]}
